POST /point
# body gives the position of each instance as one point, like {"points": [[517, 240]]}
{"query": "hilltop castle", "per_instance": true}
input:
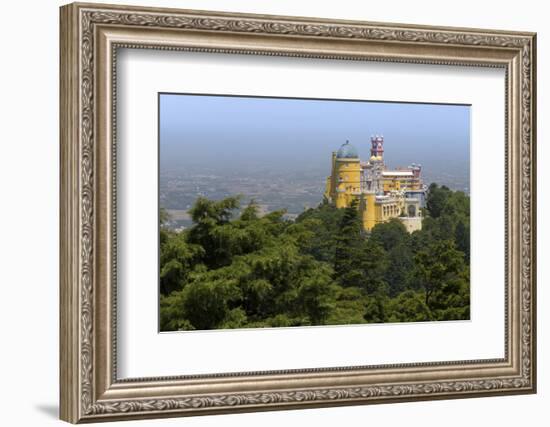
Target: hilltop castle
{"points": [[381, 193]]}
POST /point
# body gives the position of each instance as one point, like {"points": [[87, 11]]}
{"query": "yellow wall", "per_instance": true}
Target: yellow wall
{"points": [[376, 213], [391, 185], [341, 200], [333, 176], [344, 184], [369, 211], [348, 175], [395, 184]]}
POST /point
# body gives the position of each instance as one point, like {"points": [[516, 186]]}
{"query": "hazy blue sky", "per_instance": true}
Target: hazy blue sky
{"points": [[278, 134]]}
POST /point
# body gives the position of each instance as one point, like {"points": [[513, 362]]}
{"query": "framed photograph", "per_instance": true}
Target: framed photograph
{"points": [[266, 212]]}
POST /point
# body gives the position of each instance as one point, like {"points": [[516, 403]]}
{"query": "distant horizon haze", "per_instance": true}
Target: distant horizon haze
{"points": [[250, 134]]}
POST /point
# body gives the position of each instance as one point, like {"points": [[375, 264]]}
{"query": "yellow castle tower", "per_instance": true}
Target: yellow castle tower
{"points": [[368, 211]]}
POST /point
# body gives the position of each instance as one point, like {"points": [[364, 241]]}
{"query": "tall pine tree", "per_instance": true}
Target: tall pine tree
{"points": [[347, 247]]}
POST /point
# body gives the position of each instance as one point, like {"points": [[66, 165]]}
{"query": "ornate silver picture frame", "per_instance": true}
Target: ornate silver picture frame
{"points": [[91, 36]]}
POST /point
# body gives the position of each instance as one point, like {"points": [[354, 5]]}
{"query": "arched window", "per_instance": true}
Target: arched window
{"points": [[412, 210]]}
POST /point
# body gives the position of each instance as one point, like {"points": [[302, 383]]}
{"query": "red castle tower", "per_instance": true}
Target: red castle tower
{"points": [[377, 148]]}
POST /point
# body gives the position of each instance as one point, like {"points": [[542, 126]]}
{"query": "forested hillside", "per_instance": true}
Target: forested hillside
{"points": [[236, 269]]}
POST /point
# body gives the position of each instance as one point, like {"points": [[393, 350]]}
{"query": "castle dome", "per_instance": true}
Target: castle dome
{"points": [[347, 151]]}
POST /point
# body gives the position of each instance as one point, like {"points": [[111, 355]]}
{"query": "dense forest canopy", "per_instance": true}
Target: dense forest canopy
{"points": [[234, 268]]}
